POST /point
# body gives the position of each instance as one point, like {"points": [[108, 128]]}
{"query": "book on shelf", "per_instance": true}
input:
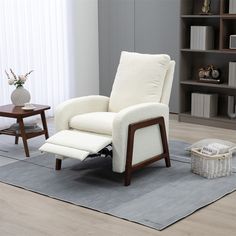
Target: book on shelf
{"points": [[209, 80], [232, 6], [194, 111], [15, 126], [197, 104], [210, 105], [204, 105], [201, 37], [232, 74], [29, 128]]}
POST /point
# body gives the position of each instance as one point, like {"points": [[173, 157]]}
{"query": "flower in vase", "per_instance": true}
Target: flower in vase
{"points": [[19, 80], [11, 81], [22, 78]]}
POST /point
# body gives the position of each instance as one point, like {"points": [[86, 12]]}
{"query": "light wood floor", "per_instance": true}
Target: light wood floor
{"points": [[26, 213]]}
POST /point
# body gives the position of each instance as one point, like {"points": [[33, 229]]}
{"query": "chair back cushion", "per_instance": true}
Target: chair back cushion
{"points": [[139, 79], [166, 91]]}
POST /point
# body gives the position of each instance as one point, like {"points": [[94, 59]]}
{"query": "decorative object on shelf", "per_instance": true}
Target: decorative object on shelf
{"points": [[201, 73], [215, 73], [231, 107], [209, 74], [232, 6], [20, 95], [206, 7]]}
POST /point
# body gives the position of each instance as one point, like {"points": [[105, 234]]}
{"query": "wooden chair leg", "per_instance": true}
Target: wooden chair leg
{"points": [[167, 160], [165, 143], [129, 155], [58, 164], [127, 178]]}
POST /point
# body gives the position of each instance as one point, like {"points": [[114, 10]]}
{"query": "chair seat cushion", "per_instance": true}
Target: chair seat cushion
{"points": [[97, 122]]}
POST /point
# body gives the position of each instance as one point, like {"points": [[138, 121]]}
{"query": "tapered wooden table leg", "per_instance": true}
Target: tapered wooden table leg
{"points": [[44, 124], [23, 135], [17, 137]]}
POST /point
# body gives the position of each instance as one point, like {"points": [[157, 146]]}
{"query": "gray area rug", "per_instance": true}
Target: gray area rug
{"points": [[157, 196]]}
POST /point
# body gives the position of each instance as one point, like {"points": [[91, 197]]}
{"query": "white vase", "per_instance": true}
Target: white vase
{"points": [[20, 96]]}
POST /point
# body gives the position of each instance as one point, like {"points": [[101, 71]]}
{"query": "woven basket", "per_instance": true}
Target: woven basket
{"points": [[211, 166]]}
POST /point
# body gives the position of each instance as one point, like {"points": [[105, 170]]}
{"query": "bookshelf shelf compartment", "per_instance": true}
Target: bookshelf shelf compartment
{"points": [[196, 83], [218, 121]]}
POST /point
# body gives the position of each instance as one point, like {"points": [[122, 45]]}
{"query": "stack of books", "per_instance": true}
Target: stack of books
{"points": [[201, 37], [29, 128], [215, 149], [204, 105]]}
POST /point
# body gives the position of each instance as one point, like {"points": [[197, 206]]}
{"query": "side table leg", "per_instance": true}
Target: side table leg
{"points": [[44, 122], [23, 135], [17, 137]]}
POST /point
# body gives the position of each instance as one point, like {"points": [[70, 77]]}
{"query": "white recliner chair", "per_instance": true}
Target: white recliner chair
{"points": [[134, 119]]}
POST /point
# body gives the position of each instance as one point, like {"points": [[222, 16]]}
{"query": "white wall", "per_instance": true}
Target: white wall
{"points": [[83, 46]]}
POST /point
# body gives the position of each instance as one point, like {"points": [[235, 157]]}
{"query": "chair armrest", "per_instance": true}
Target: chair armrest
{"points": [[138, 113], [129, 116], [75, 106]]}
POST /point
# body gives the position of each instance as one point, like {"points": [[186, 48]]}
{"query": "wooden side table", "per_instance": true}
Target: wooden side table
{"points": [[19, 114]]}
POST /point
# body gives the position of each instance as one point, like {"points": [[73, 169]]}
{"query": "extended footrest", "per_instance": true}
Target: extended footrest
{"points": [[76, 144]]}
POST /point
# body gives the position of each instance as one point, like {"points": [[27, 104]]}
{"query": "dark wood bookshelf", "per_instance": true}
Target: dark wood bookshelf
{"points": [[224, 25]]}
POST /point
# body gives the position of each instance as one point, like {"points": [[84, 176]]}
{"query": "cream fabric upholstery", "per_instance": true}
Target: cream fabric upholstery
{"points": [[141, 91], [97, 122], [75, 143], [165, 97], [63, 151], [80, 140], [147, 140], [66, 110], [139, 79]]}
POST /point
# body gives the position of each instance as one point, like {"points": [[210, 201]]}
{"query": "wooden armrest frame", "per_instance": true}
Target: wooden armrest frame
{"points": [[129, 168]]}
